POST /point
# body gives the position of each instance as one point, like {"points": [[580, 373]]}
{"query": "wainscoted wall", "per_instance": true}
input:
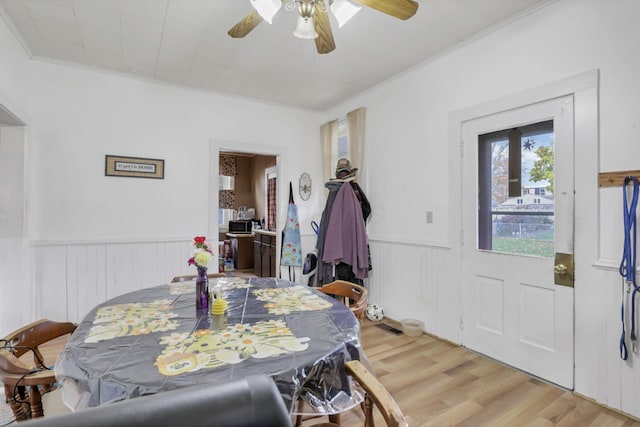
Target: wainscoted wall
{"points": [[411, 280], [600, 373], [73, 277]]}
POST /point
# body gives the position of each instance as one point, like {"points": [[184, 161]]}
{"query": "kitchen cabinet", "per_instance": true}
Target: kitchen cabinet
{"points": [[264, 253], [242, 250]]}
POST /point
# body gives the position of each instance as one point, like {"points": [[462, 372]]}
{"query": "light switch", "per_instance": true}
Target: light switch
{"points": [[429, 217]]}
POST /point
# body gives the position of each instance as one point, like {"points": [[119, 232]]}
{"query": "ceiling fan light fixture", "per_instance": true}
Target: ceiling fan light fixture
{"points": [[343, 11], [305, 29], [266, 8], [306, 8]]}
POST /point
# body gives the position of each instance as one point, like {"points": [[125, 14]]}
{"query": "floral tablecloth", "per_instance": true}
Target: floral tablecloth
{"points": [[153, 340]]}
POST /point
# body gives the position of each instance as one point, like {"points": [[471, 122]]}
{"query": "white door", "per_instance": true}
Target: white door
{"points": [[517, 215]]}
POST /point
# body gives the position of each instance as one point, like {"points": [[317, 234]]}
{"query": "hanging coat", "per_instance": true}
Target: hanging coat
{"points": [[325, 270], [346, 235]]}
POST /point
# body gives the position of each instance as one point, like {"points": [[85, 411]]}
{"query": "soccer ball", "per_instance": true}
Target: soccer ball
{"points": [[375, 312]]}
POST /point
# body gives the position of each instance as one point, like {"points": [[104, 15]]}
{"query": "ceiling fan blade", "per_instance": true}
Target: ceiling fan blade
{"points": [[402, 9], [245, 26], [324, 41]]}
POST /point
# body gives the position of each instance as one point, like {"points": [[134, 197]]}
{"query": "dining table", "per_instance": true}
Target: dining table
{"points": [[155, 339]]}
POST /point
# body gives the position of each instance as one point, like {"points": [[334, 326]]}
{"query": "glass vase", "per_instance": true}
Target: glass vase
{"points": [[202, 289]]}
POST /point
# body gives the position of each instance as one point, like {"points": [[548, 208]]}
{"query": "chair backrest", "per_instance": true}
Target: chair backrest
{"points": [[189, 277], [32, 336], [354, 296], [375, 395], [250, 401]]}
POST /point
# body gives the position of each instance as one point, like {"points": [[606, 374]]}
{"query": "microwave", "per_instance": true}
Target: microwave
{"points": [[241, 226]]}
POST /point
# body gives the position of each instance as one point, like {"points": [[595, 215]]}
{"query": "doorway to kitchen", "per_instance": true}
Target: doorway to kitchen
{"points": [[245, 205]]}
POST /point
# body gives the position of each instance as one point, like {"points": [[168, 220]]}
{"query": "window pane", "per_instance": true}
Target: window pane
{"points": [[523, 234], [522, 223], [343, 146], [341, 149]]}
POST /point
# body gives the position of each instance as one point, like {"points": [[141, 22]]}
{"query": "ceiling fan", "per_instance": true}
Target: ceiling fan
{"points": [[313, 21]]}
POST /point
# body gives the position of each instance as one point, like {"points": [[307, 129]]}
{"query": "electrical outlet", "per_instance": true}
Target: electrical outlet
{"points": [[429, 217]]}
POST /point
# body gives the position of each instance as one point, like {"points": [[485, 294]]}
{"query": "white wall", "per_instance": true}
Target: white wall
{"points": [[15, 283], [82, 115], [14, 73], [416, 271]]}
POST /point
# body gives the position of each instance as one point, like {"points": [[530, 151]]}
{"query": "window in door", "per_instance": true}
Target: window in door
{"points": [[515, 194]]}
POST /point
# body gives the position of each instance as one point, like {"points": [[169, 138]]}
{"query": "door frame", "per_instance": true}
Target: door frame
{"points": [[281, 155], [584, 89]]}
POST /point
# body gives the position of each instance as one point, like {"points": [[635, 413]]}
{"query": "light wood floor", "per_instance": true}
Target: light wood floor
{"points": [[440, 384]]}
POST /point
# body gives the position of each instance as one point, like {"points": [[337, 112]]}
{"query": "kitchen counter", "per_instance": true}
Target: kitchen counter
{"points": [[239, 235], [266, 232]]}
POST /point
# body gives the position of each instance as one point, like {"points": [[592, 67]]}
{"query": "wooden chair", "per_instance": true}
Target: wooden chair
{"points": [[375, 395], [24, 382], [353, 296], [193, 277]]}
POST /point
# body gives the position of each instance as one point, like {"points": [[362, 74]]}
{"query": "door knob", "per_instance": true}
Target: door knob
{"points": [[560, 269], [563, 269]]}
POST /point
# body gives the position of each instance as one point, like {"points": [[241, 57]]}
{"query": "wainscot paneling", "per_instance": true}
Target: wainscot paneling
{"points": [[414, 281], [600, 372], [73, 277]]}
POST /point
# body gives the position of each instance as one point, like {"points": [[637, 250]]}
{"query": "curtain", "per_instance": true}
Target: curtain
{"points": [[271, 204], [355, 126], [228, 167], [328, 138]]}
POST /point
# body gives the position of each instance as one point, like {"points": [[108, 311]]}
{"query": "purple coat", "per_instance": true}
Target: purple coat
{"points": [[346, 236]]}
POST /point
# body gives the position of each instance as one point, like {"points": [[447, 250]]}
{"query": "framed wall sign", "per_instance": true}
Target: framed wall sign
{"points": [[133, 167]]}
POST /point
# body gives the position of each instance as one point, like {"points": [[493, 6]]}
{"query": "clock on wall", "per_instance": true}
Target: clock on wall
{"points": [[305, 186]]}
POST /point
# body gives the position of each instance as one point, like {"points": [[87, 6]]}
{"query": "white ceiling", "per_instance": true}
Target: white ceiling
{"points": [[185, 42]]}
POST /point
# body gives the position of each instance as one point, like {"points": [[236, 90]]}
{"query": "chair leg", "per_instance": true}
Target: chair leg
{"points": [[19, 409], [299, 416], [367, 408], [335, 419], [35, 400]]}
